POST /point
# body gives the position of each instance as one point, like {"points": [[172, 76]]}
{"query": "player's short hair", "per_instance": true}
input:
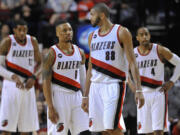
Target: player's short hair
{"points": [[59, 22], [102, 8], [19, 22], [143, 27]]}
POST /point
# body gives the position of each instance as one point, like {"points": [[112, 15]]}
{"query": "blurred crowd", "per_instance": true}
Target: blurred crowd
{"points": [[160, 16], [161, 19]]}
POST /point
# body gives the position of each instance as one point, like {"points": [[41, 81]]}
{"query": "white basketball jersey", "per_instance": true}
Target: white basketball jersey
{"points": [[66, 69], [108, 59], [20, 58], [151, 68]]}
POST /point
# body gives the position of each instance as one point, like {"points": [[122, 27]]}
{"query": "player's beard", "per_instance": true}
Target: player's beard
{"points": [[96, 22], [146, 43], [69, 41]]}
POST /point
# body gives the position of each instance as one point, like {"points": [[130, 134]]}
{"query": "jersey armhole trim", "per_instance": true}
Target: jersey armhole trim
{"points": [[9, 46], [158, 53], [80, 53], [91, 38], [54, 54], [32, 41], [118, 36]]}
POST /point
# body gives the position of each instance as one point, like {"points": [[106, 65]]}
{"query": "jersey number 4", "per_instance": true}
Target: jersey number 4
{"points": [[110, 55], [153, 72]]}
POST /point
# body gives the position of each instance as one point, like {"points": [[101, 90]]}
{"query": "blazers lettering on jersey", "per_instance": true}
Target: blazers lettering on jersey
{"points": [[102, 45], [18, 70], [108, 69], [65, 82], [68, 65], [66, 69], [22, 53], [150, 82], [151, 69], [20, 58]]}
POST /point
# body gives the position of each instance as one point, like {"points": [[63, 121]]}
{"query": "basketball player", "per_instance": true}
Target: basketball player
{"points": [[18, 55], [63, 78], [152, 117], [109, 47]]}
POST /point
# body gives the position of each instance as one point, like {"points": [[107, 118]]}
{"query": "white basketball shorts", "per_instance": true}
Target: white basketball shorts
{"points": [[68, 106], [153, 115], [18, 109], [105, 106]]}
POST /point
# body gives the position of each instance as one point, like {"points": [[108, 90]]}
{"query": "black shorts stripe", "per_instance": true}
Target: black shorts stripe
{"points": [[65, 85], [119, 105], [165, 112], [17, 72], [149, 84], [107, 72]]}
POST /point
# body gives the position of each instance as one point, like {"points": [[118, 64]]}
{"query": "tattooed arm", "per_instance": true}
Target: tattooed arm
{"points": [[47, 76]]}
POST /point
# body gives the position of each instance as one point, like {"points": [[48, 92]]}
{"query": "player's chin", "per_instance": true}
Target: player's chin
{"points": [[69, 41]]}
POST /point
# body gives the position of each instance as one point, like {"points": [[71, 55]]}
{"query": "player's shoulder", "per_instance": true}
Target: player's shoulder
{"points": [[160, 47], [33, 38], [124, 34], [51, 54], [91, 34], [6, 41], [123, 30], [81, 51]]}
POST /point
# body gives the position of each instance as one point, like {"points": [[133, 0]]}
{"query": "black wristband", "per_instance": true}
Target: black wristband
{"points": [[33, 77]]}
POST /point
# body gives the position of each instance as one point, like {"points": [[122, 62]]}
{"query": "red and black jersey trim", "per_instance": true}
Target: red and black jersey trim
{"points": [[18, 70], [108, 69], [65, 82], [150, 82], [120, 106]]}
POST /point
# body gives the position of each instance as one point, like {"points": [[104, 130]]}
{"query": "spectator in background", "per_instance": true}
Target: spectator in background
{"points": [[83, 8], [61, 9], [5, 31], [127, 14], [9, 4], [107, 2], [31, 11]]}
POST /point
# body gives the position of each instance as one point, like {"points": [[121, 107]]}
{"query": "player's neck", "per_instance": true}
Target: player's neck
{"points": [[20, 41], [105, 27], [144, 49], [66, 47]]}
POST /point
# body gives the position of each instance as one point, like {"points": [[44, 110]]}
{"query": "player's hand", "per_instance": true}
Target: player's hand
{"points": [[166, 86], [29, 83], [139, 99], [85, 104], [53, 115], [16, 79]]}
